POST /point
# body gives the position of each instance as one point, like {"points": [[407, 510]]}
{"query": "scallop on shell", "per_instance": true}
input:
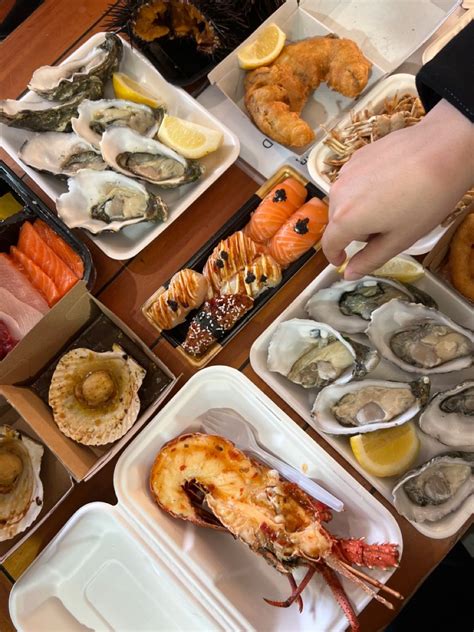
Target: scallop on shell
{"points": [[368, 405], [21, 489], [449, 417], [436, 488], [348, 305], [313, 354], [420, 339], [94, 396]]}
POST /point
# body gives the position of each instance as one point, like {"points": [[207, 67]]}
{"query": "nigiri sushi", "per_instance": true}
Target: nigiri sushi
{"points": [[275, 209], [300, 233]]}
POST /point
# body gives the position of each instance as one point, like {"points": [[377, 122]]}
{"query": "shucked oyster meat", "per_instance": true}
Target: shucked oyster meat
{"points": [[94, 396], [21, 489]]}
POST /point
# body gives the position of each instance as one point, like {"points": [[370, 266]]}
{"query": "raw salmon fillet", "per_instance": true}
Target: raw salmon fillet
{"points": [[35, 274], [60, 247], [24, 316], [275, 209], [31, 244], [300, 233], [13, 280]]}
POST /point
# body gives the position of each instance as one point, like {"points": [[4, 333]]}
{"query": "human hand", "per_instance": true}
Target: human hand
{"points": [[397, 189]]}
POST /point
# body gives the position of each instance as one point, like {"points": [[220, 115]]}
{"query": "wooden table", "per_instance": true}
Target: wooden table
{"points": [[51, 32]]}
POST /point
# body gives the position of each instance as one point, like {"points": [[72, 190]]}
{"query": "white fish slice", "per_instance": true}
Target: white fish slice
{"points": [[16, 282], [23, 314]]}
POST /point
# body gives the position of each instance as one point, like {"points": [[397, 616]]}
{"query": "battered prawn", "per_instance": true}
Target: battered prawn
{"points": [[461, 257]]}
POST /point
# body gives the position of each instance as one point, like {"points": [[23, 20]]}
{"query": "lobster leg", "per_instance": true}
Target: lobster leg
{"points": [[294, 587], [373, 581], [338, 591], [297, 590], [347, 571]]}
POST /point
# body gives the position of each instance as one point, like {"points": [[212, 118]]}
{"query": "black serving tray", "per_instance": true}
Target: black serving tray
{"points": [[34, 207], [177, 335]]}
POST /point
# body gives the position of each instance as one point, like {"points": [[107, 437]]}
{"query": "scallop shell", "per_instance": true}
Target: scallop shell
{"points": [[105, 420], [326, 420], [21, 500], [396, 317]]}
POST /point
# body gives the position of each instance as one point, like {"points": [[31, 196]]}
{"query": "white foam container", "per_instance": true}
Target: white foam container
{"points": [[301, 400], [131, 240], [133, 567]]}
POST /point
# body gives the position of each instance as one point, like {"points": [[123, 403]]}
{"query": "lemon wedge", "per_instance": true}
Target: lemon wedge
{"points": [[388, 452], [127, 88], [400, 268], [264, 49], [188, 139]]}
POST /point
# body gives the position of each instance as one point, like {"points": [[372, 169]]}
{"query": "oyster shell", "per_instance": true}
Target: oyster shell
{"points": [[449, 417], [107, 201], [64, 82], [436, 488], [357, 407], [94, 396], [95, 117], [313, 354], [420, 339], [135, 155], [348, 305], [21, 489], [60, 153]]}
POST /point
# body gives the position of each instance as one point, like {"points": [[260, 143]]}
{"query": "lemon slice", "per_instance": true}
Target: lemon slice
{"points": [[401, 268], [388, 452], [188, 139], [264, 49], [127, 88]]}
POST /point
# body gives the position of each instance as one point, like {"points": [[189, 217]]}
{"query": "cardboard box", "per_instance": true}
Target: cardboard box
{"points": [[25, 374]]}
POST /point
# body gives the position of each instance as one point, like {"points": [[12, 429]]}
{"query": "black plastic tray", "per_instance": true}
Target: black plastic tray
{"points": [[34, 207], [177, 335]]}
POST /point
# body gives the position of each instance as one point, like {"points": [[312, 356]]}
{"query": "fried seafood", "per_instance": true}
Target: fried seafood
{"points": [[461, 257], [275, 95], [206, 480]]}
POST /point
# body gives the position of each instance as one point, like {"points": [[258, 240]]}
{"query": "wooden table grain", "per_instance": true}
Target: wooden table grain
{"points": [[50, 33]]}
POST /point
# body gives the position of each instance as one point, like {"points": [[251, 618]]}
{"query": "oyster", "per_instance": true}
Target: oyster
{"points": [[21, 489], [107, 201], [60, 154], [134, 155], [94, 396], [420, 339], [313, 354], [72, 78], [437, 488], [449, 417], [344, 409], [95, 117], [348, 305]]}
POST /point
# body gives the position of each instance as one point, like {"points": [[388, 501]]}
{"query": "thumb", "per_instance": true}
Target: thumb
{"points": [[377, 252]]}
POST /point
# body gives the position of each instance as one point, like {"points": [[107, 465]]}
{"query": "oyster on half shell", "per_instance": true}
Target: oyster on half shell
{"points": [[436, 488], [101, 201], [313, 354], [449, 417], [420, 339], [21, 489], [368, 405], [94, 396], [137, 156]]}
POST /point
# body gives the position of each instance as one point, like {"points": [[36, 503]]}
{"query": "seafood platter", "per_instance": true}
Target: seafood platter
{"points": [[108, 163], [40, 261], [393, 337], [333, 53], [235, 274], [155, 540]]}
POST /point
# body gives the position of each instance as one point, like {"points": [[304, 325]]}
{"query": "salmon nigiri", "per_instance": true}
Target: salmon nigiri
{"points": [[300, 233], [274, 210], [37, 277], [60, 247]]}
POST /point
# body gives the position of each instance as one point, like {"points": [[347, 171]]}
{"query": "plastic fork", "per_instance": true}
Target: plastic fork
{"points": [[227, 422]]}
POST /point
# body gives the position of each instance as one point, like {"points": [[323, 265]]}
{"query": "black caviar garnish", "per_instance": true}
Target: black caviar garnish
{"points": [[250, 278], [301, 226], [263, 278], [220, 263], [224, 255], [279, 196], [172, 304]]}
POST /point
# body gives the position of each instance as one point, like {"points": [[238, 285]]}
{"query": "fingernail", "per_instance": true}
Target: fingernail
{"points": [[351, 275]]}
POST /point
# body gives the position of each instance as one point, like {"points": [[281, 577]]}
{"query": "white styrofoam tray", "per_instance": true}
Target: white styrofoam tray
{"points": [[122, 565], [301, 400], [131, 240], [387, 88]]}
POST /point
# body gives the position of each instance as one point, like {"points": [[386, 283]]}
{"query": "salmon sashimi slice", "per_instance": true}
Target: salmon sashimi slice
{"points": [[16, 282], [300, 233], [60, 247], [275, 209], [38, 278], [23, 316], [31, 244]]}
